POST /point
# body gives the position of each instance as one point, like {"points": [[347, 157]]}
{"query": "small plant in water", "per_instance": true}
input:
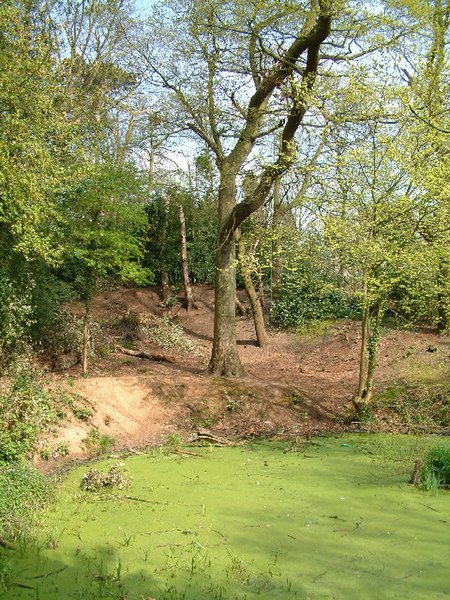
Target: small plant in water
{"points": [[94, 480], [436, 469]]}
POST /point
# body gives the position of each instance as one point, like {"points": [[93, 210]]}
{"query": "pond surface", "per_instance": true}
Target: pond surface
{"points": [[335, 519]]}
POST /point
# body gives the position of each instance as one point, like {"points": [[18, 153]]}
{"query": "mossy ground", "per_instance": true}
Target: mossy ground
{"points": [[332, 519]]}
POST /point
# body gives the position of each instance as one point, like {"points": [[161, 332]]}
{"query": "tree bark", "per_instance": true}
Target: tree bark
{"points": [[86, 320], [255, 303], [277, 261], [365, 332], [165, 282], [188, 298], [239, 307], [373, 344], [165, 286], [225, 358]]}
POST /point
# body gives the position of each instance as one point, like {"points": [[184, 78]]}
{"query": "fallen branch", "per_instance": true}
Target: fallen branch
{"points": [[44, 575], [141, 354], [204, 435]]}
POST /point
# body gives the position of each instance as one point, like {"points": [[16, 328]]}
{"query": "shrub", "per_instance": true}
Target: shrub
{"points": [[15, 319], [436, 468], [97, 443], [23, 492], [26, 410], [166, 334], [308, 295]]}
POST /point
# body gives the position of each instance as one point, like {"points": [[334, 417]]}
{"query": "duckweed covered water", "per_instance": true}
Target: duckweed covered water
{"points": [[335, 520]]}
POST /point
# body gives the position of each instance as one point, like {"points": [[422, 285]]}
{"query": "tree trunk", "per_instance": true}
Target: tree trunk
{"points": [[277, 262], [86, 319], [239, 307], [225, 358], [443, 303], [365, 327], [373, 343], [165, 286], [258, 317], [165, 282], [188, 298]]}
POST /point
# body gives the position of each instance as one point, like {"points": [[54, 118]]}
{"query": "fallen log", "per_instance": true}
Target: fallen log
{"points": [[148, 355], [204, 435]]}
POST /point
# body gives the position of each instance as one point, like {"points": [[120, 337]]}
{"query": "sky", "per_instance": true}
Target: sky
{"points": [[142, 6]]}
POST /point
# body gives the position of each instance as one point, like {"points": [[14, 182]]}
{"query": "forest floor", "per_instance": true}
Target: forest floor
{"points": [[300, 385]]}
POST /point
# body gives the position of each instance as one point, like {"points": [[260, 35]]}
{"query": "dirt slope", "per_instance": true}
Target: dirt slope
{"points": [[298, 385]]}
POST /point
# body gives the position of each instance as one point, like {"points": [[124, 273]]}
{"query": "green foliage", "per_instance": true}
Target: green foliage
{"points": [[174, 441], [23, 492], [82, 413], [98, 443], [26, 411], [163, 244], [169, 335], [106, 224], [413, 408], [15, 318], [436, 468], [310, 294], [48, 294], [33, 131]]}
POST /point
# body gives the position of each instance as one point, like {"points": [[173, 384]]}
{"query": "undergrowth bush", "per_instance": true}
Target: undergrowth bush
{"points": [[98, 443], [436, 468], [307, 295], [65, 335], [23, 493], [414, 408], [166, 334], [15, 319], [171, 336], [26, 410]]}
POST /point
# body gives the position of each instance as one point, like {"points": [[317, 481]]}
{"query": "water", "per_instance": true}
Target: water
{"points": [[334, 520]]}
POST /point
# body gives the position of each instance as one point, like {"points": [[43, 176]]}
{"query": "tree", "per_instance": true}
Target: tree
{"points": [[106, 227], [375, 236], [33, 142], [429, 129], [220, 40]]}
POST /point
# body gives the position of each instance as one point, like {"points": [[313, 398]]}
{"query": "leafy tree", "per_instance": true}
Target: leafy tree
{"points": [[375, 236], [106, 228], [236, 38], [429, 129], [33, 152]]}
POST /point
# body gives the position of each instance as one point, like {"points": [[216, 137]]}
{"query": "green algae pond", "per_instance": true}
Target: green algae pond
{"points": [[331, 519]]}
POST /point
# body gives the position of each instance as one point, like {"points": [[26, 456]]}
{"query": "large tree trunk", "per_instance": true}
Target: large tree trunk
{"points": [[255, 303], [225, 358], [188, 298]]}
